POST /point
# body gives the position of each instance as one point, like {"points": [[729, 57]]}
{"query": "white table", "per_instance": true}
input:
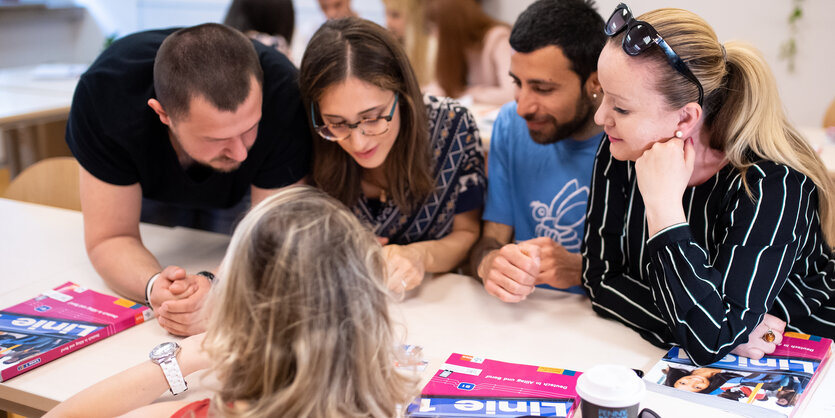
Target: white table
{"points": [[42, 247], [30, 98]]}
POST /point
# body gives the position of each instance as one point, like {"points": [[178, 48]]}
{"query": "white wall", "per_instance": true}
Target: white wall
{"points": [[127, 16], [806, 93]]}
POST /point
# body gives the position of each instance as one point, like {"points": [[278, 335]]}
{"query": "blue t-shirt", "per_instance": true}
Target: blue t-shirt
{"points": [[539, 190]]}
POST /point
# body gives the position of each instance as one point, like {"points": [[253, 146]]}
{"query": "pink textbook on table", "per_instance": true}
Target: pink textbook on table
{"points": [[467, 386], [58, 322]]}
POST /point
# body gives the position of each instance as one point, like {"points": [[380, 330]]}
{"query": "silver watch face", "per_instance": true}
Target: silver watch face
{"points": [[164, 351]]}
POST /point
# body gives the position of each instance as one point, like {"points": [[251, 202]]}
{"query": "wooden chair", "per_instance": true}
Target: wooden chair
{"points": [[5, 178], [829, 117], [53, 182]]}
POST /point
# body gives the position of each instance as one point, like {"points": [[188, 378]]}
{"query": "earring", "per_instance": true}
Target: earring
{"points": [[679, 134], [594, 95]]}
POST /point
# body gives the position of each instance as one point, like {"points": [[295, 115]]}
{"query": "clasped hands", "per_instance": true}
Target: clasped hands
{"points": [[512, 272], [178, 298]]}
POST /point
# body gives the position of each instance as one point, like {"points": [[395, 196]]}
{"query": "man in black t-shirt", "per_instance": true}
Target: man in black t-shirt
{"points": [[197, 118]]}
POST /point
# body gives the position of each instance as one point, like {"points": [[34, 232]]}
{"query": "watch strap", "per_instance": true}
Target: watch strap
{"points": [[176, 381], [148, 288], [207, 274]]}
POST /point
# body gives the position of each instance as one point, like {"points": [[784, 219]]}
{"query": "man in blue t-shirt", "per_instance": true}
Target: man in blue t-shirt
{"points": [[542, 153]]}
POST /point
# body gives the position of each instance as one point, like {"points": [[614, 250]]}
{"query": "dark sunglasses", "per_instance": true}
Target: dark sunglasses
{"points": [[640, 36]]}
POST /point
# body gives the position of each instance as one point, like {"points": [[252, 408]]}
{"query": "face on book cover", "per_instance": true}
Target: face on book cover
{"points": [[692, 383]]}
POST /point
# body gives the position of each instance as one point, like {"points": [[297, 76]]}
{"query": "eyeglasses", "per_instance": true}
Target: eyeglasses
{"points": [[640, 36], [342, 130]]}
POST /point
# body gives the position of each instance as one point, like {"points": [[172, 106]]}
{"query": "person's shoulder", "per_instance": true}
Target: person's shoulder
{"points": [[280, 76], [136, 45], [497, 34], [507, 113], [271, 59], [127, 56], [444, 107], [768, 172]]}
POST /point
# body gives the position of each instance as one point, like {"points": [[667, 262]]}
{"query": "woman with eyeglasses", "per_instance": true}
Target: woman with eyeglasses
{"points": [[709, 223], [410, 167]]}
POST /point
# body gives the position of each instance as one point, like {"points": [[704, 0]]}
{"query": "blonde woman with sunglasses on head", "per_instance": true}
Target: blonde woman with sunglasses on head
{"points": [[299, 327], [410, 167], [709, 223]]}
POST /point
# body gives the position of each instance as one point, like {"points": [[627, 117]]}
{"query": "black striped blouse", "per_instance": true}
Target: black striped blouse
{"points": [[705, 284]]}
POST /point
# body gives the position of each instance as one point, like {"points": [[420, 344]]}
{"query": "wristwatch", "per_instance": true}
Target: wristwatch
{"points": [[165, 355], [207, 274]]}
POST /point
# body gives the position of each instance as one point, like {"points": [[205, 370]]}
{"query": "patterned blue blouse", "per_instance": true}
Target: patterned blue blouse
{"points": [[460, 180]]}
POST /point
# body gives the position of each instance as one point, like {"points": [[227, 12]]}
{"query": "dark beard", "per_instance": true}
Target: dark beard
{"points": [[585, 113]]}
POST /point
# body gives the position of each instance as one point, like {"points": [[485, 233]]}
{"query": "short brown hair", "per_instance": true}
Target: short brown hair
{"points": [[209, 60], [362, 49]]}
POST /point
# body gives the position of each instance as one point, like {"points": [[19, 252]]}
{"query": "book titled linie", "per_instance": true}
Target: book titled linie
{"points": [[469, 386], [778, 385], [58, 322]]}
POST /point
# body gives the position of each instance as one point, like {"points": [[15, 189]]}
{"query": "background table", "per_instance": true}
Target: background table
{"points": [[34, 104], [42, 247]]}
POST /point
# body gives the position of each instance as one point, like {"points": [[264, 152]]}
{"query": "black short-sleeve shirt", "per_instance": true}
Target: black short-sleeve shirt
{"points": [[120, 140]]}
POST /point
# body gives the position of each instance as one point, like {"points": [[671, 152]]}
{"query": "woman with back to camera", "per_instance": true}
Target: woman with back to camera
{"points": [[709, 222], [410, 167], [299, 326]]}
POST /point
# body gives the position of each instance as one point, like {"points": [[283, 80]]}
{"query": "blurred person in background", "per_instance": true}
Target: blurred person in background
{"points": [[473, 52], [337, 9], [406, 19], [270, 22]]}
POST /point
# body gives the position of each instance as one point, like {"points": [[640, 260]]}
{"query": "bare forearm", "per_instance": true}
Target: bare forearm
{"points": [[482, 248], [448, 252], [116, 395], [125, 264]]}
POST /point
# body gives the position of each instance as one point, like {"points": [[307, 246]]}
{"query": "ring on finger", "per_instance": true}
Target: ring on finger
{"points": [[769, 336]]}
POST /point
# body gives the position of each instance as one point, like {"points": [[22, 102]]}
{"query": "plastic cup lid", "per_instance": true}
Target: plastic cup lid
{"points": [[611, 386]]}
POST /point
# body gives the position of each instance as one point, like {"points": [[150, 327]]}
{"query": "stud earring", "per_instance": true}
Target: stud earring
{"points": [[594, 95], [679, 134]]}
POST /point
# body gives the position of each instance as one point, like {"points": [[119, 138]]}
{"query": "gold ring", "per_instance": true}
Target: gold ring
{"points": [[769, 336]]}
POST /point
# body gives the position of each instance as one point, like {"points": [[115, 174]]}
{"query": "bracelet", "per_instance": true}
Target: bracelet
{"points": [[209, 275], [148, 287]]}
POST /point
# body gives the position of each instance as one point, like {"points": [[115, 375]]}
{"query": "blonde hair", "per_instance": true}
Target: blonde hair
{"points": [[299, 325], [742, 108], [416, 39]]}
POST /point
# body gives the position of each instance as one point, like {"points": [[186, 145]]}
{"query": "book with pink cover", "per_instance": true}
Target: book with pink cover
{"points": [[468, 386], [58, 322], [776, 385]]}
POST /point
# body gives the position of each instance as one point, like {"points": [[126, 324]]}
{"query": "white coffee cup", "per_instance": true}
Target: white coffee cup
{"points": [[609, 390]]}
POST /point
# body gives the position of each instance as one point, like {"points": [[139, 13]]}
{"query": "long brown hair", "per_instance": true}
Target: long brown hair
{"points": [[354, 47], [462, 25], [300, 325], [742, 107]]}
